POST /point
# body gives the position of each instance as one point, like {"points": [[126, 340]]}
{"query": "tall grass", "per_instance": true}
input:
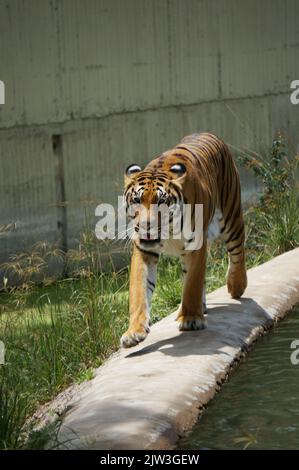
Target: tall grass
{"points": [[56, 332], [273, 225]]}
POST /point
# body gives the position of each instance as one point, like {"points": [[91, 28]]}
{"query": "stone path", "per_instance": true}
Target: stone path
{"points": [[148, 396]]}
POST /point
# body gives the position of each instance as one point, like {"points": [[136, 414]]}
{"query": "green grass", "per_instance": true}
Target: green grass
{"points": [[57, 333], [52, 338]]}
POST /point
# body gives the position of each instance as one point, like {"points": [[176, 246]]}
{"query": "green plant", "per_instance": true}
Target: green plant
{"points": [[273, 225], [248, 439], [14, 408], [72, 327], [31, 267]]}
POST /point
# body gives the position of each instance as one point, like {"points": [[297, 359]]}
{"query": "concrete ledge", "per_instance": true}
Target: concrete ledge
{"points": [[148, 396]]}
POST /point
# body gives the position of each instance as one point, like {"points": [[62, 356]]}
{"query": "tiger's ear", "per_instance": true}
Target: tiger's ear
{"points": [[179, 171], [131, 170]]}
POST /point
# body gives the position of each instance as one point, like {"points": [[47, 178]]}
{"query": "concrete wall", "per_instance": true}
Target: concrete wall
{"points": [[93, 85]]}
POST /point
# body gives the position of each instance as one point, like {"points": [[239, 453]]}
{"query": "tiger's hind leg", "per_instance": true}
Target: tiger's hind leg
{"points": [[236, 277], [234, 237]]}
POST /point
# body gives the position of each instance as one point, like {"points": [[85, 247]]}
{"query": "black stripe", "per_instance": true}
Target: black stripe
{"points": [[237, 246], [228, 189], [232, 215], [238, 253], [188, 150], [190, 239], [180, 155], [129, 186], [147, 252], [152, 284], [176, 191], [235, 235]]}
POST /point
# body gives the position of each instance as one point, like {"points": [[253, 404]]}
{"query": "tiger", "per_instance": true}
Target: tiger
{"points": [[199, 170]]}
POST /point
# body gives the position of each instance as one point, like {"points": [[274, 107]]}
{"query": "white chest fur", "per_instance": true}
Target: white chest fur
{"points": [[173, 247]]}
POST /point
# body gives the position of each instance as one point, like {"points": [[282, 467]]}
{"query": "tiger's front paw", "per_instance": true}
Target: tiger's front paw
{"points": [[134, 336], [189, 323]]}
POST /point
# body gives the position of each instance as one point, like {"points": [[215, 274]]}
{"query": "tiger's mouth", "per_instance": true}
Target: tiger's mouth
{"points": [[149, 241], [148, 236]]}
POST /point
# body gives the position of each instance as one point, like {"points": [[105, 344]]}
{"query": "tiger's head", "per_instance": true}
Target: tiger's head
{"points": [[153, 196]]}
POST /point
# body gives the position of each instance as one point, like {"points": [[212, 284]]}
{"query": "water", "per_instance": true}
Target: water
{"points": [[259, 407]]}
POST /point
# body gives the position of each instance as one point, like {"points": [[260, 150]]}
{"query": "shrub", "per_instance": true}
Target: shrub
{"points": [[273, 224]]}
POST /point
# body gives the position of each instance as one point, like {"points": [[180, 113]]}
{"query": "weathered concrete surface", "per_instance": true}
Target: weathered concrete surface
{"points": [[121, 81], [148, 396]]}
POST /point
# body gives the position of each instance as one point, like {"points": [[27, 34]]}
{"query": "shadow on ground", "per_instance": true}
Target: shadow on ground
{"points": [[225, 322]]}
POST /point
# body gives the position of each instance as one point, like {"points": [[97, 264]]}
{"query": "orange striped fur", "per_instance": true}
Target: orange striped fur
{"points": [[199, 170]]}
